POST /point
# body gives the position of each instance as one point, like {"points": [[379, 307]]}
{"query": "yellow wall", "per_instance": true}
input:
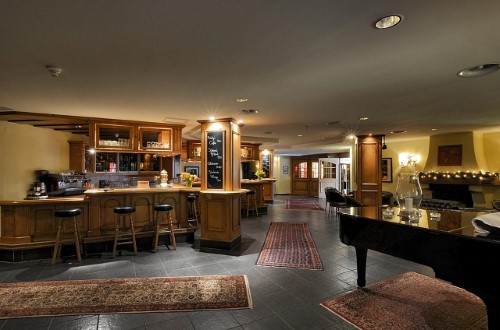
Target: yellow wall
{"points": [[491, 145], [418, 147], [283, 181], [24, 149]]}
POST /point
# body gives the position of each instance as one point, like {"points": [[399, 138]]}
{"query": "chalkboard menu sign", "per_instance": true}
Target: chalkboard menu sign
{"points": [[215, 160], [266, 164]]}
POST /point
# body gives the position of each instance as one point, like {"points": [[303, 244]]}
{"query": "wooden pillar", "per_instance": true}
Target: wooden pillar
{"points": [[220, 184], [369, 170]]}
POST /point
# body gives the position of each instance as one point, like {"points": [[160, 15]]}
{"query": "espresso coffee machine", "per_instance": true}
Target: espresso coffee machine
{"points": [[63, 184], [37, 191]]}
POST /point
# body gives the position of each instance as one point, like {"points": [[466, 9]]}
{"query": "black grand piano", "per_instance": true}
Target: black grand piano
{"points": [[450, 246]]}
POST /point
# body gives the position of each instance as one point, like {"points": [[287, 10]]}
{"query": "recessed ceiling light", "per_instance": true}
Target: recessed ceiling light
{"points": [[299, 134], [479, 70], [363, 118], [269, 132], [434, 129], [249, 111], [388, 21], [240, 121], [398, 132], [241, 100], [211, 118]]}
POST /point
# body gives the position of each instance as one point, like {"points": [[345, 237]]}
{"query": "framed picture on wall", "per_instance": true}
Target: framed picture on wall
{"points": [[386, 169], [192, 170], [285, 169], [450, 155]]}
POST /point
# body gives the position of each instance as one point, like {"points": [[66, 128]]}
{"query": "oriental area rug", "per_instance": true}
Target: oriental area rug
{"points": [[131, 295], [290, 244], [302, 204], [410, 301]]}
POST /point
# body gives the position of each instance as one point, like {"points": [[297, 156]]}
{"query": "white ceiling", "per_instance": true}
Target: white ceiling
{"points": [[302, 64]]}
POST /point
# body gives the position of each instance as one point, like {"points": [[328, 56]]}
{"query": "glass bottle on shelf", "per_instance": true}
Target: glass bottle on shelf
{"points": [[409, 193]]}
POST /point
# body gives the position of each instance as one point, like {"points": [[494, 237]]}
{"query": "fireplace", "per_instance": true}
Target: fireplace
{"points": [[452, 192]]}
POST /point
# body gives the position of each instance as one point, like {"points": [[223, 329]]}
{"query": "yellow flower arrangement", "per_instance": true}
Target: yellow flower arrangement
{"points": [[260, 174], [189, 178]]}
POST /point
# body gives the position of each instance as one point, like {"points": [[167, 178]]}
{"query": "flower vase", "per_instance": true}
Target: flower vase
{"points": [[259, 178], [189, 184]]}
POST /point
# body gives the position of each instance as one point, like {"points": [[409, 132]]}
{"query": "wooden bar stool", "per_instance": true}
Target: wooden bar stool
{"points": [[192, 210], [61, 215], [252, 202], [122, 212], [158, 208]]}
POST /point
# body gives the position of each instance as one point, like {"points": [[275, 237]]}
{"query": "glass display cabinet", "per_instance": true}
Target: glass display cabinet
{"points": [[109, 136], [158, 139]]}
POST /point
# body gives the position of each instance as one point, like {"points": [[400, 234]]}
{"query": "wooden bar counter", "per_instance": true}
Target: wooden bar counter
{"points": [[263, 191], [31, 224]]}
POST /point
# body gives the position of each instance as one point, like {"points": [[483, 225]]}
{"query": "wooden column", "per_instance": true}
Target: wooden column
{"points": [[369, 170], [220, 184]]}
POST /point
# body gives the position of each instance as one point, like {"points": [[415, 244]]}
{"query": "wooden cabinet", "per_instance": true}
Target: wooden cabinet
{"points": [[80, 158], [249, 152], [194, 150]]}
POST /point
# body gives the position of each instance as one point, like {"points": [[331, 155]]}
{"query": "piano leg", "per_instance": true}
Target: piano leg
{"points": [[493, 311], [361, 254]]}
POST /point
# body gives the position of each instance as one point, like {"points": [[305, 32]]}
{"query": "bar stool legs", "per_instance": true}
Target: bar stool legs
{"points": [[170, 225], [62, 214], [121, 212], [193, 210], [252, 202]]}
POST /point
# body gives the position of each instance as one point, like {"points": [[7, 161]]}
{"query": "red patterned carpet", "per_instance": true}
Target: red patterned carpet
{"points": [[290, 244], [410, 301], [130, 295], [302, 204]]}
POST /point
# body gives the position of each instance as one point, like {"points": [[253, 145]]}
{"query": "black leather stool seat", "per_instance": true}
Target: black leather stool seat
{"points": [[163, 207], [251, 192], [124, 209], [192, 197], [67, 213]]}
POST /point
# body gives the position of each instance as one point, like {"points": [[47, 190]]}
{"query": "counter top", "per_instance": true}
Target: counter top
{"points": [[264, 180], [151, 190], [69, 199]]}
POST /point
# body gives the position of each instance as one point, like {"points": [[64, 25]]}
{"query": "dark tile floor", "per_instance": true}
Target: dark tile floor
{"points": [[283, 298]]}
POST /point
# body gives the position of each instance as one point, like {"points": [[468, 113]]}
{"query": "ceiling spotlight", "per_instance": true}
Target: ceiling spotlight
{"points": [[434, 129], [241, 100], [240, 121], [363, 118], [54, 71], [398, 132], [299, 135], [211, 118], [388, 22], [479, 70]]}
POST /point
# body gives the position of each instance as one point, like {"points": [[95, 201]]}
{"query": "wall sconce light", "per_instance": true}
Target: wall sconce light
{"points": [[407, 159]]}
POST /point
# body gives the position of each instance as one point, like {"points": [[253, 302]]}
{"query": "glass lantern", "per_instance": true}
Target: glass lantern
{"points": [[163, 179], [409, 193]]}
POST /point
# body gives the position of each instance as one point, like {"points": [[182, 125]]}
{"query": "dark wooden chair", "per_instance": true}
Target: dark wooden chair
{"points": [[334, 198], [496, 204]]}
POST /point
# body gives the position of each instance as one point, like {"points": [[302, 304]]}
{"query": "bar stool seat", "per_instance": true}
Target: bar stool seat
{"points": [[192, 210], [251, 202], [158, 208], [121, 238], [61, 215]]}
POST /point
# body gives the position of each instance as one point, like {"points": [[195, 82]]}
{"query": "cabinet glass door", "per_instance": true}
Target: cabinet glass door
{"points": [[155, 139], [106, 162], [114, 136]]}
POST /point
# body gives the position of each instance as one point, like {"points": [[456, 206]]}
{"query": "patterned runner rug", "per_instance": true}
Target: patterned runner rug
{"points": [[290, 244], [304, 204], [132, 295], [410, 301]]}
